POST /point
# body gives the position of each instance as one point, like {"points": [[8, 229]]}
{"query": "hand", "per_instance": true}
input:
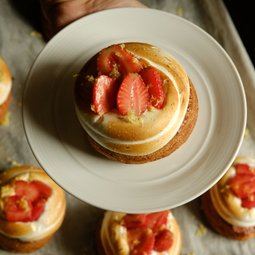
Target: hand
{"points": [[56, 14]]}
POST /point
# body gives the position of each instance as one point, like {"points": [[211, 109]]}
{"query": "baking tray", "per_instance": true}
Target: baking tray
{"points": [[20, 44]]}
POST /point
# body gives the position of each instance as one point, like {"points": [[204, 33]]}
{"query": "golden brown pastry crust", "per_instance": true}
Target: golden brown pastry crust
{"points": [[15, 245], [17, 229], [5, 80], [4, 108], [179, 139], [220, 225]]}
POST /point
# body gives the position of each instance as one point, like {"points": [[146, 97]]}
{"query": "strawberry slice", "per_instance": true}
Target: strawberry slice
{"points": [[157, 220], [116, 60], [17, 209], [134, 220], [141, 241], [26, 190], [163, 241], [104, 94], [153, 80], [132, 97]]}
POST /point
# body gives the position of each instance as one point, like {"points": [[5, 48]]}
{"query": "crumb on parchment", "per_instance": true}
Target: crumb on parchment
{"points": [[36, 34], [201, 230]]}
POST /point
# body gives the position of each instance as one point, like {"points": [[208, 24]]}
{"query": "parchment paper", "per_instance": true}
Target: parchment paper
{"points": [[19, 45]]}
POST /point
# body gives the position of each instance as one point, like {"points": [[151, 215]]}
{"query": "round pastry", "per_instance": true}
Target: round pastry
{"points": [[127, 234], [135, 102], [32, 208], [5, 89], [229, 206]]}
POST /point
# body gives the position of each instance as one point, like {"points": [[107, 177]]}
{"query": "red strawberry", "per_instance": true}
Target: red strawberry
{"points": [[44, 190], [38, 208], [242, 185], [141, 241], [104, 94], [153, 80], [26, 190], [17, 209], [132, 96], [116, 60], [249, 202], [243, 169], [157, 220], [105, 61], [134, 220], [163, 241], [28, 202]]}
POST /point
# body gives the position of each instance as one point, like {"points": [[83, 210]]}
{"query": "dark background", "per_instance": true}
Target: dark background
{"points": [[243, 15]]}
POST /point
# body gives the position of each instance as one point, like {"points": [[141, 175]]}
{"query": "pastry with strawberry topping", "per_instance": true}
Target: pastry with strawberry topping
{"points": [[135, 102], [32, 208], [5, 89], [130, 234], [229, 205]]}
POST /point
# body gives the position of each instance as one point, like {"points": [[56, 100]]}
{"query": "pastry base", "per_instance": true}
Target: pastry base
{"points": [[4, 108], [220, 225], [180, 138], [15, 245]]}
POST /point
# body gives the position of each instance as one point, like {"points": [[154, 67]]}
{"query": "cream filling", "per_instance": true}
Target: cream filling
{"points": [[120, 234], [5, 89], [87, 121], [48, 221], [229, 206]]}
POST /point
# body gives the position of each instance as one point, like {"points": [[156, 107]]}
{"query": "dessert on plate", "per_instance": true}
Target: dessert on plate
{"points": [[135, 102], [32, 208], [229, 206], [129, 234], [5, 89]]}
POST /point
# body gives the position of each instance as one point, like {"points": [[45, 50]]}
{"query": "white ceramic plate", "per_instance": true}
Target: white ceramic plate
{"points": [[61, 148]]}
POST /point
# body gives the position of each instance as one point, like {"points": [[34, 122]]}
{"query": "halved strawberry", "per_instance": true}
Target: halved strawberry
{"points": [[26, 190], [249, 202], [163, 241], [28, 202], [134, 220], [141, 241], [242, 185], [44, 190], [105, 61], [116, 60], [132, 97], [153, 80], [38, 208], [157, 220], [17, 209], [243, 169], [104, 94]]}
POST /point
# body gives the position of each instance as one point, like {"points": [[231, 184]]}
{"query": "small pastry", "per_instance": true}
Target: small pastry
{"points": [[32, 208], [129, 234], [135, 102], [5, 89], [229, 206]]}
